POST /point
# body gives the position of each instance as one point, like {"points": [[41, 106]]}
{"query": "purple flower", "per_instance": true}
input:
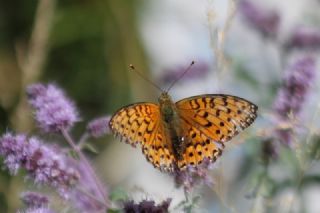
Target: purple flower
{"points": [[296, 84], [265, 22], [81, 201], [99, 127], [13, 151], [34, 199], [37, 210], [305, 38], [146, 206], [43, 163], [192, 176], [291, 96], [53, 110]]}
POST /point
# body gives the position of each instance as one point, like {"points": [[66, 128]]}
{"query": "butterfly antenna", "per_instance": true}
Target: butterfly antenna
{"points": [[144, 77], [181, 76]]}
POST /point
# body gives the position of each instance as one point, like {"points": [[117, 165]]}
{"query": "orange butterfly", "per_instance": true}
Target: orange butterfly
{"points": [[183, 133], [175, 135]]}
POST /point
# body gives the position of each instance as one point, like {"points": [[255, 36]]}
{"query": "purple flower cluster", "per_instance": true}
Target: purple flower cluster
{"points": [[53, 110], [99, 127], [34, 199], [35, 202], [291, 96], [146, 206], [265, 22], [192, 176], [296, 84], [82, 202], [48, 165], [43, 163], [305, 38], [37, 210]]}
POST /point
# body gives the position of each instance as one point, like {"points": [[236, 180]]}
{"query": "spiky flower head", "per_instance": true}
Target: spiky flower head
{"points": [[54, 111], [146, 206], [34, 199], [193, 176], [99, 127], [304, 38], [37, 210], [295, 87], [44, 164], [292, 95], [266, 22], [81, 201]]}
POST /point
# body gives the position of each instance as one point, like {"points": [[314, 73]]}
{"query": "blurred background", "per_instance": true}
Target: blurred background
{"points": [[244, 48]]}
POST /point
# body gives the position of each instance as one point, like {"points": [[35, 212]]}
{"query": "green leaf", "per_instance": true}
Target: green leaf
{"points": [[74, 154], [114, 211], [268, 186], [119, 194], [188, 206], [289, 159], [243, 74], [90, 148], [196, 199], [313, 149]]}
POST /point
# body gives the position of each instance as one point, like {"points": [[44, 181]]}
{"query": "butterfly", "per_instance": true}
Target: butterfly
{"points": [[176, 135]]}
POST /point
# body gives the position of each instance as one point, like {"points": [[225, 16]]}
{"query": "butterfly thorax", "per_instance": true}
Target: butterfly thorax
{"points": [[171, 121]]}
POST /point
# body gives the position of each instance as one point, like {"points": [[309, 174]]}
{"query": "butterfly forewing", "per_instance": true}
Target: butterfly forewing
{"points": [[140, 124], [210, 120]]}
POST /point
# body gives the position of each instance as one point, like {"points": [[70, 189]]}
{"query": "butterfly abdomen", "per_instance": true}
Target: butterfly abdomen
{"points": [[173, 131]]}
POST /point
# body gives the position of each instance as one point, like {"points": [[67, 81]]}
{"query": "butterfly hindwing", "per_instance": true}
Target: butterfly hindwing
{"points": [[140, 124], [208, 121], [198, 146]]}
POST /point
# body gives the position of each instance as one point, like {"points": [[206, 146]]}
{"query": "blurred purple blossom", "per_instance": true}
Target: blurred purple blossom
{"points": [[192, 176], [37, 210], [53, 110], [81, 201], [264, 21], [296, 84], [146, 206], [198, 70], [43, 163], [305, 38], [99, 127], [291, 96], [34, 199]]}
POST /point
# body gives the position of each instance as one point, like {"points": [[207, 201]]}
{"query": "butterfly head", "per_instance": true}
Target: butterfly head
{"points": [[165, 99]]}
